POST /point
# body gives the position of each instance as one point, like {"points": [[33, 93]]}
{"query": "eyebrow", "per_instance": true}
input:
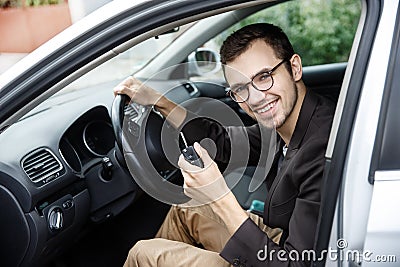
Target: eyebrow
{"points": [[266, 69]]}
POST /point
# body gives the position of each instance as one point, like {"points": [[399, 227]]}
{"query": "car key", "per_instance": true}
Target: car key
{"points": [[190, 155]]}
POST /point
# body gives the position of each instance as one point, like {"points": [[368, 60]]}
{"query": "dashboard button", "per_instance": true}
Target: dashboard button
{"points": [[56, 219], [67, 204]]}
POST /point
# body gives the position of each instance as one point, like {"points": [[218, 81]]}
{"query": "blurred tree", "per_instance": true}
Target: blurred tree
{"points": [[321, 31], [18, 3], [9, 3], [42, 2]]}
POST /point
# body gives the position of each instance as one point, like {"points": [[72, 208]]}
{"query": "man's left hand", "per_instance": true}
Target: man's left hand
{"points": [[203, 185]]}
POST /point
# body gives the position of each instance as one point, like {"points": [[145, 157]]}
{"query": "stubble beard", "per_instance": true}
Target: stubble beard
{"points": [[280, 119]]}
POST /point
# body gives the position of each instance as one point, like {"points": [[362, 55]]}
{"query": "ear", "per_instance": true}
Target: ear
{"points": [[297, 68]]}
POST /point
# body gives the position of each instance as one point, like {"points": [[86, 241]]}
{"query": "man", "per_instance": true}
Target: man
{"points": [[270, 89]]}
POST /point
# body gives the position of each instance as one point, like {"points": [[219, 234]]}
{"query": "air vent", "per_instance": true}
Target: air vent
{"points": [[41, 166]]}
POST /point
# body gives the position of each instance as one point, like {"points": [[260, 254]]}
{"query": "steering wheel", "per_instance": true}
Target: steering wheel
{"points": [[148, 145], [135, 125], [117, 118]]}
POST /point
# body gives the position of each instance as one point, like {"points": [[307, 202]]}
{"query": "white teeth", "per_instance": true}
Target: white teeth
{"points": [[268, 107]]}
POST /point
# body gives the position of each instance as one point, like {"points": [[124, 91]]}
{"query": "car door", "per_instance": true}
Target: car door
{"points": [[360, 157], [381, 245]]}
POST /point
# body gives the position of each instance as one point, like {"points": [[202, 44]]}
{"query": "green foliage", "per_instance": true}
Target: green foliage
{"points": [[9, 3], [321, 31], [18, 3], [42, 2]]}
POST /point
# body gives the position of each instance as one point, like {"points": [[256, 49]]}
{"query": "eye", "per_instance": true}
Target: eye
{"points": [[238, 88], [263, 76]]}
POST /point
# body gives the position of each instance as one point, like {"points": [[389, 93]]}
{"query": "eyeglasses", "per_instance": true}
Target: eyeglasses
{"points": [[262, 81]]}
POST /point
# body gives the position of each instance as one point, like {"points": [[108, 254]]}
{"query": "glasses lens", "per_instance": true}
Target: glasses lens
{"points": [[263, 81], [239, 84], [239, 93]]}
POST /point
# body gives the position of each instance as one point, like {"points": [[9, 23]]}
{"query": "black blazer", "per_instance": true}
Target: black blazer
{"points": [[294, 193]]}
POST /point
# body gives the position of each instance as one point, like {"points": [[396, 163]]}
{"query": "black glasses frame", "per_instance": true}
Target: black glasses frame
{"points": [[246, 85]]}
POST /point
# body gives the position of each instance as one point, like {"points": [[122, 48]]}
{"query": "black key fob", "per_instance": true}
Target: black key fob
{"points": [[189, 153]]}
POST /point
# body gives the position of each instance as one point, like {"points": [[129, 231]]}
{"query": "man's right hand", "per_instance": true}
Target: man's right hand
{"points": [[147, 96], [137, 91]]}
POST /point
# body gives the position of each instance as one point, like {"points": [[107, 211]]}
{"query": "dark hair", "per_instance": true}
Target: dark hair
{"points": [[239, 41]]}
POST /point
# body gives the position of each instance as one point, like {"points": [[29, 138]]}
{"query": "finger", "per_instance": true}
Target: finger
{"points": [[129, 81], [203, 154], [188, 180], [186, 166], [126, 82], [120, 90]]}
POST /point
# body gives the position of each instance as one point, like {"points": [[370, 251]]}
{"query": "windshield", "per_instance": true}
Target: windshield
{"points": [[128, 62], [114, 70]]}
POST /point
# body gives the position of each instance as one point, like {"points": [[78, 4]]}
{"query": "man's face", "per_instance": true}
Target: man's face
{"points": [[270, 108]]}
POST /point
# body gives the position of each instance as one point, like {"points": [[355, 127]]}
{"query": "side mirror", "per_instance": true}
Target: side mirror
{"points": [[203, 61]]}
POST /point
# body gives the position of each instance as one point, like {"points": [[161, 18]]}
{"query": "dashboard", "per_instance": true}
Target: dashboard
{"points": [[59, 171], [91, 137]]}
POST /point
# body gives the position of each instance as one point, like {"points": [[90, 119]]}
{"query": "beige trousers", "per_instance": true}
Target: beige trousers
{"points": [[189, 237]]}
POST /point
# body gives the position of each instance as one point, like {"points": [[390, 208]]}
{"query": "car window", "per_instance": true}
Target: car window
{"points": [[321, 31], [114, 70]]}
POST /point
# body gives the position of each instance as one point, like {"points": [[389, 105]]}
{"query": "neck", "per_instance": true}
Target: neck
{"points": [[287, 129]]}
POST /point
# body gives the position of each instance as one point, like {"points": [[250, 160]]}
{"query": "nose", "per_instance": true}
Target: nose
{"points": [[255, 96]]}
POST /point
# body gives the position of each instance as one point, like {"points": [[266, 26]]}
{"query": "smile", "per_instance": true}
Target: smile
{"points": [[267, 107]]}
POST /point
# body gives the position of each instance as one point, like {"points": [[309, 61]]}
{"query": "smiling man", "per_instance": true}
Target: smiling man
{"points": [[265, 77]]}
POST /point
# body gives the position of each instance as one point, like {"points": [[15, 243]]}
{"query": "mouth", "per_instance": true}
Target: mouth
{"points": [[267, 107]]}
